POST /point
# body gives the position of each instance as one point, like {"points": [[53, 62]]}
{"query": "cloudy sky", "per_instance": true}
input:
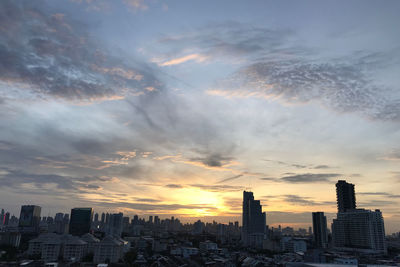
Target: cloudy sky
{"points": [[175, 107]]}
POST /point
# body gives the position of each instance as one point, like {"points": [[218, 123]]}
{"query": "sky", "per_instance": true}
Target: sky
{"points": [[173, 108]]}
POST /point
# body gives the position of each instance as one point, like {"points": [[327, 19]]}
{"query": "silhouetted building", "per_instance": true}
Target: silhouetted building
{"points": [[320, 230], [29, 219], [346, 198], [80, 222], [116, 224], [360, 230], [254, 221]]}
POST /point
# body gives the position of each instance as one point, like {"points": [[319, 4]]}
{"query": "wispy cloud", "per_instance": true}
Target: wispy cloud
{"points": [[176, 61]]}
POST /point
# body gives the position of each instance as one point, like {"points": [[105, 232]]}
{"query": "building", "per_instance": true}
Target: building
{"points": [[320, 230], [345, 194], [81, 219], [115, 224], [254, 221], [74, 248], [110, 249], [10, 238], [29, 219], [52, 247], [359, 230]]}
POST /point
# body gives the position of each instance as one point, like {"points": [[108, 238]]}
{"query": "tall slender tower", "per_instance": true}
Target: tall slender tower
{"points": [[346, 198], [320, 229]]}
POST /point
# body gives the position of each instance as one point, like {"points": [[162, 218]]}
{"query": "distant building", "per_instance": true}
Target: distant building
{"points": [[52, 247], [115, 225], [29, 219], [81, 219], [345, 194], [320, 230], [10, 238], [110, 249], [254, 221], [361, 230]]}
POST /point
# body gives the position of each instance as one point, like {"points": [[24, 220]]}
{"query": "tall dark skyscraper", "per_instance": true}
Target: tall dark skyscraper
{"points": [[29, 218], [346, 198], [254, 221], [81, 219], [320, 229]]}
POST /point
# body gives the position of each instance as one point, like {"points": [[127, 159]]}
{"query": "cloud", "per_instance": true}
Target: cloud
{"points": [[214, 160], [176, 61], [303, 178], [394, 155], [52, 55], [229, 40], [230, 178], [174, 186], [309, 177], [384, 194], [306, 201], [59, 184], [322, 167], [136, 4], [342, 86], [274, 65], [218, 188]]}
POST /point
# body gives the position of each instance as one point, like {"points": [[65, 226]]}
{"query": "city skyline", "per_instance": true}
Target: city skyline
{"points": [[175, 108]]}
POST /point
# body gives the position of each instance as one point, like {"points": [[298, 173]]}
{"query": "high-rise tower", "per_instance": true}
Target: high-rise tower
{"points": [[254, 221], [346, 198]]}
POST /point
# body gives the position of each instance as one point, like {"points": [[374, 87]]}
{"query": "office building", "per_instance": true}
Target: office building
{"points": [[81, 219], [254, 221], [29, 219], [345, 194], [320, 230]]}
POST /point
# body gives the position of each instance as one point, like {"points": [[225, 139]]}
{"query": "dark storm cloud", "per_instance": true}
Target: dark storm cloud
{"points": [[310, 177], [51, 54]]}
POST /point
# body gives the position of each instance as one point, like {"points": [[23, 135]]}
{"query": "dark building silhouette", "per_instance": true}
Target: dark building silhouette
{"points": [[320, 230], [29, 218], [254, 221], [346, 198], [81, 219]]}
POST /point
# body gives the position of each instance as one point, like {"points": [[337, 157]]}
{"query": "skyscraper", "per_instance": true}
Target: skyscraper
{"points": [[254, 221], [320, 230], [346, 199], [80, 222], [29, 218]]}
